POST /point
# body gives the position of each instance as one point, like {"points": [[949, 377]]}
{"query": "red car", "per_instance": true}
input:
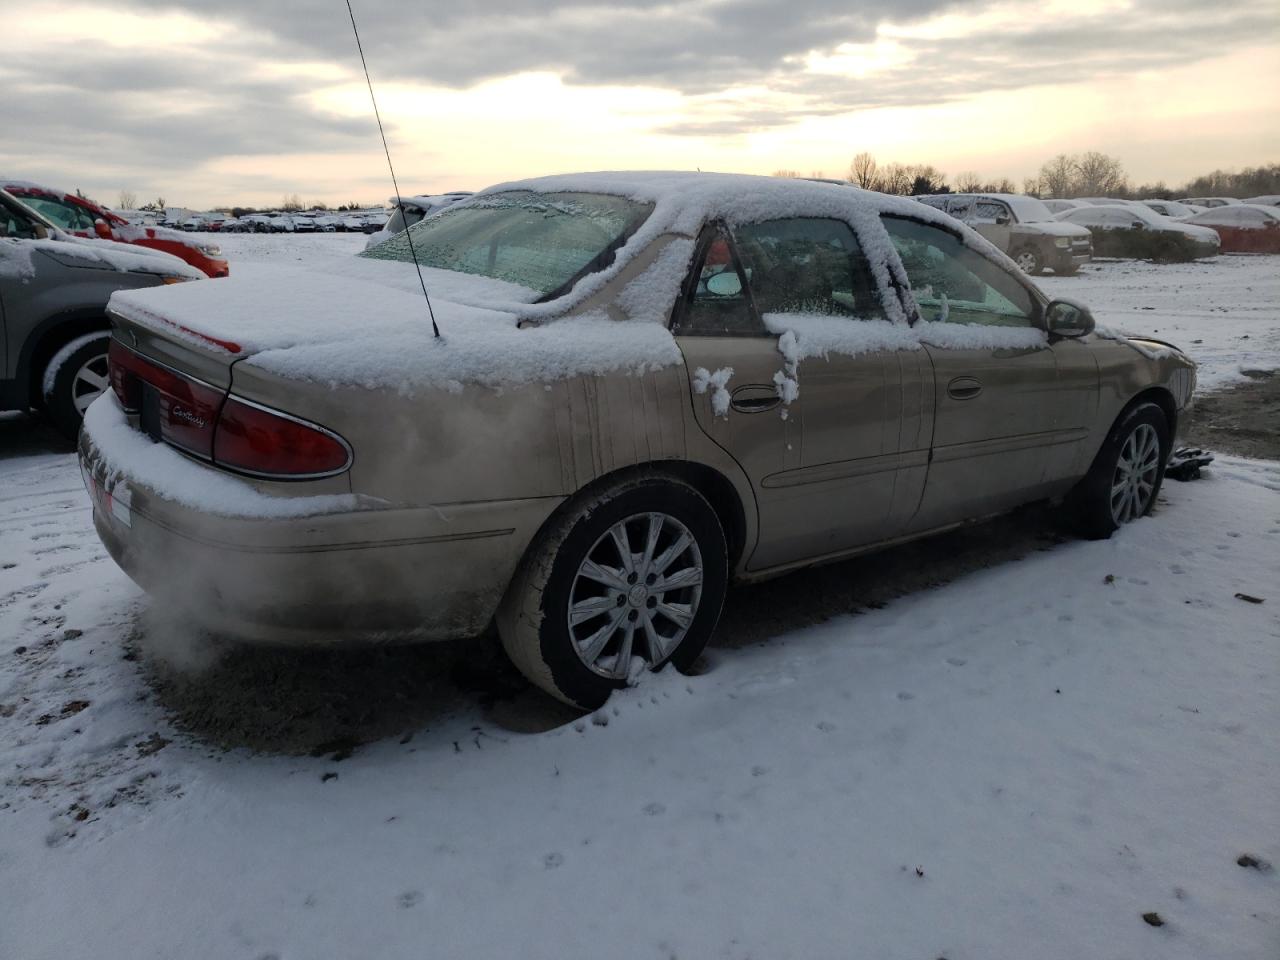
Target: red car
{"points": [[84, 218], [1243, 227]]}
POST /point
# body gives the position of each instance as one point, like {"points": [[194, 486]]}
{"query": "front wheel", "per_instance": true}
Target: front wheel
{"points": [[1029, 261], [1125, 478], [632, 579]]}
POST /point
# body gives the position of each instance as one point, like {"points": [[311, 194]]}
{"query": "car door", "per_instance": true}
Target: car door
{"points": [[1009, 425], [795, 442], [993, 220]]}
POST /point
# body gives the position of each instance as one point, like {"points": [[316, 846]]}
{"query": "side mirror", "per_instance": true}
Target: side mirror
{"points": [[1137, 225], [101, 228], [1069, 319], [1003, 220], [726, 284]]}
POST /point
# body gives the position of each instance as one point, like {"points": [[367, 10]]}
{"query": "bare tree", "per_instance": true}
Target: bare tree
{"points": [[128, 200], [1099, 175], [1058, 176], [862, 171], [926, 179], [788, 174], [291, 203], [895, 178], [968, 182], [1031, 187]]}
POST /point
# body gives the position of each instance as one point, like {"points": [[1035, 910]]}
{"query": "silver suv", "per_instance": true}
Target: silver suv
{"points": [[1023, 227], [53, 297]]}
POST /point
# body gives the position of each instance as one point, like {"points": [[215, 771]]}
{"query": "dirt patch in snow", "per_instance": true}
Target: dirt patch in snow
{"points": [[1243, 419]]}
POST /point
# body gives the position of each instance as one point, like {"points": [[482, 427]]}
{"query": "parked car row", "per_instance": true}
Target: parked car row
{"points": [[54, 288], [83, 217], [300, 223], [1022, 227]]}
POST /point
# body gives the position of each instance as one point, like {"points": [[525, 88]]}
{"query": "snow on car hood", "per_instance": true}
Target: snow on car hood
{"points": [[1058, 228], [92, 254]]}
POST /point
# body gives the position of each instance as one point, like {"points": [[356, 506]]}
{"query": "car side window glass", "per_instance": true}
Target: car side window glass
{"points": [[715, 302], [65, 215], [808, 265], [989, 211], [953, 283]]}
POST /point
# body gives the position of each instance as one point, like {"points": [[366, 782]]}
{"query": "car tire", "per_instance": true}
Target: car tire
{"points": [[576, 569], [73, 379], [1028, 261], [1124, 480]]}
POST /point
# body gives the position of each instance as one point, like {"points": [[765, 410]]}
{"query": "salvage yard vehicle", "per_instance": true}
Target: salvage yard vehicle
{"points": [[1169, 208], [82, 217], [1243, 227], [53, 324], [1137, 231], [1022, 227], [645, 386], [412, 209]]}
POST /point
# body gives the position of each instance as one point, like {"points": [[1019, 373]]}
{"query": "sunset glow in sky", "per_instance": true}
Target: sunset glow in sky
{"points": [[241, 102]]}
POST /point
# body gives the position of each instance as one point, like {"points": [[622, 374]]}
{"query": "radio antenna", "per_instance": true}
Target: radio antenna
{"points": [[387, 150]]}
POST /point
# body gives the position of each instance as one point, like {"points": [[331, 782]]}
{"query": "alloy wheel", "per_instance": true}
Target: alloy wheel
{"points": [[90, 382], [1027, 262], [1134, 481], [635, 593]]}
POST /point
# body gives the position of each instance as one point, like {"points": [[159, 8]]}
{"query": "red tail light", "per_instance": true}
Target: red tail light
{"points": [[205, 421], [174, 408], [265, 443]]}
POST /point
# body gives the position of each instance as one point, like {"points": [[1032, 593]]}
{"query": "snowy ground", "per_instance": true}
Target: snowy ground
{"points": [[1020, 762]]}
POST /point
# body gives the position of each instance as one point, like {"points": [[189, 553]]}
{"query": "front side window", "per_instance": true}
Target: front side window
{"points": [[807, 265], [951, 282], [541, 241]]}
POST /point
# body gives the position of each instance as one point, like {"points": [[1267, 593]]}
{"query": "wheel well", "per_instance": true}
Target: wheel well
{"points": [[711, 483], [1163, 399], [49, 341]]}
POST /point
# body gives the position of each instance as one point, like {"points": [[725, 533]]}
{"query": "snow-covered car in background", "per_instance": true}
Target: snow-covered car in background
{"points": [[1022, 227], [1243, 227], [1170, 208], [281, 224], [1209, 202], [54, 289], [1137, 231], [1266, 200], [412, 209], [83, 217], [1059, 205], [648, 385]]}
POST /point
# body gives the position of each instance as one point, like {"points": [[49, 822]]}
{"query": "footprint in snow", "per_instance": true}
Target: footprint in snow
{"points": [[824, 726], [957, 661], [654, 809], [904, 695], [552, 860], [410, 898]]}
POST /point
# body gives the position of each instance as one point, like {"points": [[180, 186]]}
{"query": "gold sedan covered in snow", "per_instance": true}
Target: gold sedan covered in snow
{"points": [[646, 386]]}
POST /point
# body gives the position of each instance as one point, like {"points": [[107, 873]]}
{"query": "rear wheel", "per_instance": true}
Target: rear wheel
{"points": [[633, 579], [74, 378], [1124, 481]]}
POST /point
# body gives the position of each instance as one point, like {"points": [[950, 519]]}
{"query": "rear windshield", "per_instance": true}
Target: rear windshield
{"points": [[543, 241]]}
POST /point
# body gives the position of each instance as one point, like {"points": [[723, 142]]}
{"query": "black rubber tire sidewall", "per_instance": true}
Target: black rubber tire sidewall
{"points": [[60, 405], [580, 684], [1093, 497]]}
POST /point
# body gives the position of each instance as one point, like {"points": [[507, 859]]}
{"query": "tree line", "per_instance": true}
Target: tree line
{"points": [[1089, 174]]}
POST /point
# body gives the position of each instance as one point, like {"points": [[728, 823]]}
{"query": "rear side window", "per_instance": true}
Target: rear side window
{"points": [[953, 283], [715, 302], [807, 265]]}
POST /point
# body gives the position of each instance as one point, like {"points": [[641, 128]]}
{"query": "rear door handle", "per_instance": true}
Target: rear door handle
{"points": [[964, 388], [755, 398]]}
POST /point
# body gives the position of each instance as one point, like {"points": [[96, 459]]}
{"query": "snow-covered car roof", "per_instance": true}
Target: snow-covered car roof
{"points": [[1027, 209], [1235, 214]]}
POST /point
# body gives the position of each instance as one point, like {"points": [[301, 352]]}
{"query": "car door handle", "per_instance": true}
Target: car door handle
{"points": [[755, 398], [964, 388]]}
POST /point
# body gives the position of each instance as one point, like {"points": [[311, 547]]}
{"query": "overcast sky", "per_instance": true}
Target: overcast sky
{"points": [[245, 101]]}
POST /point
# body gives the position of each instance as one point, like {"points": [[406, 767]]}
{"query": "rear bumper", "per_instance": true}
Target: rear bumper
{"points": [[379, 572]]}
